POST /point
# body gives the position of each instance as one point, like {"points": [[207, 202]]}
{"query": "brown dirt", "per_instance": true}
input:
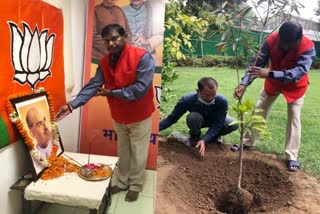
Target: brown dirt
{"points": [[187, 183], [235, 201]]}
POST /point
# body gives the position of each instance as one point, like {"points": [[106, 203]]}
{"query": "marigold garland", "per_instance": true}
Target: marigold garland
{"points": [[14, 118], [57, 165]]}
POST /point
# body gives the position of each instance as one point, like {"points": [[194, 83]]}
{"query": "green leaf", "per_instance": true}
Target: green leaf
{"points": [[220, 44], [259, 128], [245, 11], [4, 134], [234, 47], [235, 122], [224, 4], [174, 43], [224, 36], [179, 55]]}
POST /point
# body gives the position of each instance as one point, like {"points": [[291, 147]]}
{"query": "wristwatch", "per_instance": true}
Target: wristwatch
{"points": [[70, 107], [271, 75]]}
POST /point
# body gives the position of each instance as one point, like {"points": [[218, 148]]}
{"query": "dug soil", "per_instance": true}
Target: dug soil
{"points": [[188, 183]]}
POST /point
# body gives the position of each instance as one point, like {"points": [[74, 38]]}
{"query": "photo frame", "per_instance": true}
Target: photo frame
{"points": [[33, 115]]}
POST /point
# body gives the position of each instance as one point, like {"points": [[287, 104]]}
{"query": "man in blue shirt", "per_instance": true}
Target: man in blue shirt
{"points": [[146, 20], [207, 109]]}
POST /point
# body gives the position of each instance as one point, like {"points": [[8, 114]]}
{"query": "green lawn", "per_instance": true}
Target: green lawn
{"points": [[309, 155]]}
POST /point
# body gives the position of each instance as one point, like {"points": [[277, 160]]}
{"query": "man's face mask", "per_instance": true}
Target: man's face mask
{"points": [[207, 96], [205, 102]]}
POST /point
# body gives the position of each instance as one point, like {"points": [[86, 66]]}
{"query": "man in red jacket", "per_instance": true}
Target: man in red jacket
{"points": [[126, 73], [290, 54]]}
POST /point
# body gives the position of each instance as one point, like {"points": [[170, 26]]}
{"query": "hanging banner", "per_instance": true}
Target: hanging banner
{"points": [[144, 21], [31, 55]]}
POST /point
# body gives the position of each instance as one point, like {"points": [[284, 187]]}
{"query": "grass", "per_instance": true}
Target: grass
{"points": [[309, 155]]}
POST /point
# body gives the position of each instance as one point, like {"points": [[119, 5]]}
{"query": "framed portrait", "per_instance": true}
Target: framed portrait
{"points": [[33, 115]]}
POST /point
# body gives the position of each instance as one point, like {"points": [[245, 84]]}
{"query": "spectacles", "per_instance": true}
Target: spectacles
{"points": [[113, 39]]}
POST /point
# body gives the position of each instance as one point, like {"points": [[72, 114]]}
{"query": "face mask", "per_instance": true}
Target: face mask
{"points": [[205, 102]]}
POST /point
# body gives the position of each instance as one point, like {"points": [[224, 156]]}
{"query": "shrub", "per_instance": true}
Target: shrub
{"points": [[211, 61]]}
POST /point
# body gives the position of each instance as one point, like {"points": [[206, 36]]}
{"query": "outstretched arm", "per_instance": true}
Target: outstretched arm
{"points": [[179, 110], [85, 94], [262, 60], [300, 69]]}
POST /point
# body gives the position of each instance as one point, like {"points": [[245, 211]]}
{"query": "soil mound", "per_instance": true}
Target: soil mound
{"points": [[235, 201], [187, 183]]}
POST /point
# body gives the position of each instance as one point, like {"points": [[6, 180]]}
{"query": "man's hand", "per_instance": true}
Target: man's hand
{"points": [[202, 146], [257, 72], [239, 91], [140, 41], [63, 112], [103, 92]]}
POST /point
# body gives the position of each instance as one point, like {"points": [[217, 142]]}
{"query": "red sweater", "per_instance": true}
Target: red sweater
{"points": [[121, 75], [292, 90]]}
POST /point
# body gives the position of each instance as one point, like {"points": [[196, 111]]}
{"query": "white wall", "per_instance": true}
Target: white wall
{"points": [[13, 159], [13, 164], [75, 26]]}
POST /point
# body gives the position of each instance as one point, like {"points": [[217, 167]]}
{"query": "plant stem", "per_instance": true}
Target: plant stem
{"points": [[241, 152]]}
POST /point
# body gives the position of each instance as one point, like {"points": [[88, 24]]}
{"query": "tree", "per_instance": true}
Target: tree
{"points": [[200, 7], [179, 30], [317, 12], [249, 118]]}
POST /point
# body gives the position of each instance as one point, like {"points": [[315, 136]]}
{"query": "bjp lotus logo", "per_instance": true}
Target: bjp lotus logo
{"points": [[31, 53], [158, 95]]}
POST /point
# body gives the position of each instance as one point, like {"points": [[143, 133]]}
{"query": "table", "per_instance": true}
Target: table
{"points": [[72, 190]]}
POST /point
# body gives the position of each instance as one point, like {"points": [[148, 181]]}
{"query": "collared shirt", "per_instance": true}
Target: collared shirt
{"points": [[147, 21], [291, 75], [131, 92], [137, 19], [213, 114], [103, 16], [45, 152]]}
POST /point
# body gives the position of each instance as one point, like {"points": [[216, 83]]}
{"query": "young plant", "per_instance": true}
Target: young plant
{"points": [[249, 118]]}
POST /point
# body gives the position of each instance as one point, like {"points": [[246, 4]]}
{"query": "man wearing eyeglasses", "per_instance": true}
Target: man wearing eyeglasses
{"points": [[40, 131], [124, 77], [207, 109]]}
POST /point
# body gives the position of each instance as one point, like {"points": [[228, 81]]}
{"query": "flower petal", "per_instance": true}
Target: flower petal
{"points": [[20, 77], [34, 52], [49, 47], [43, 51], [33, 78], [16, 42], [25, 46], [44, 74], [158, 95]]}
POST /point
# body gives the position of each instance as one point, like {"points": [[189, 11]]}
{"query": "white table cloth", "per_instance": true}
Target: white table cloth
{"points": [[70, 189]]}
